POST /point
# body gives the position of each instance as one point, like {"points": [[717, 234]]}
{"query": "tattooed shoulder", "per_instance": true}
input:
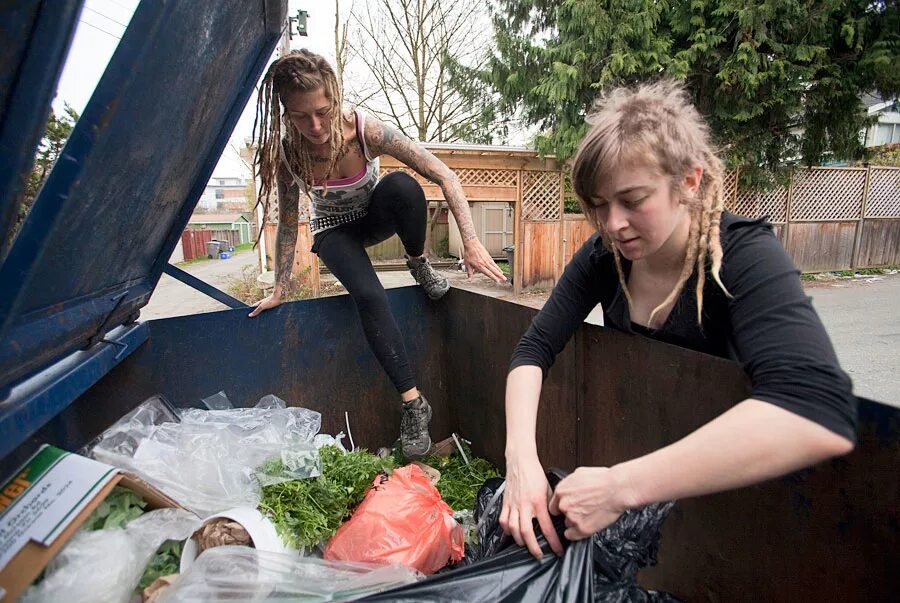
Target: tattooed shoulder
{"points": [[384, 138]]}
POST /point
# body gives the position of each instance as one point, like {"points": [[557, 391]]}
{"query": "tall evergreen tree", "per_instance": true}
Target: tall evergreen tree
{"points": [[55, 136], [778, 80]]}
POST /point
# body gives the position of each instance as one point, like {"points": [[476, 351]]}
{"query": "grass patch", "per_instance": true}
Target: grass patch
{"points": [[196, 260], [504, 267], [246, 287], [816, 276]]}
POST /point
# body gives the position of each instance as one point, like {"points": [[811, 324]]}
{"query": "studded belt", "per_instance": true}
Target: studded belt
{"points": [[332, 221]]}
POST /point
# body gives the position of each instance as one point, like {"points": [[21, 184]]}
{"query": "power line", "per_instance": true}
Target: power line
{"points": [[105, 16], [122, 6], [99, 29]]}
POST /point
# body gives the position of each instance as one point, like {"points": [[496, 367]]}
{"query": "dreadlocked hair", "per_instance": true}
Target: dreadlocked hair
{"points": [[298, 71], [656, 125]]}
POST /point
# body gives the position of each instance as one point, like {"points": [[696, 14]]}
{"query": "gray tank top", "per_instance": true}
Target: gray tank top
{"points": [[346, 199]]}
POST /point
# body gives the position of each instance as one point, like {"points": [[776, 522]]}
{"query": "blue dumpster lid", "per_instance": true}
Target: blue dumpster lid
{"points": [[110, 214]]}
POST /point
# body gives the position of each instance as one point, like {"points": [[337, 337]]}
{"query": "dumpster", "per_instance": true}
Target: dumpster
{"points": [[75, 356]]}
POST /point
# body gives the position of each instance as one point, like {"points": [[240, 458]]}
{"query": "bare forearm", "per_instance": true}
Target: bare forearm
{"points": [[750, 443], [523, 393]]}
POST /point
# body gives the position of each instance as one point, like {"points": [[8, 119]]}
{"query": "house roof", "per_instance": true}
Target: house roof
{"points": [[874, 103], [217, 218]]}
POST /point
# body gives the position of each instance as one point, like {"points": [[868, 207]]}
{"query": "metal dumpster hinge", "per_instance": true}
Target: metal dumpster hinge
{"points": [[122, 347], [100, 335]]}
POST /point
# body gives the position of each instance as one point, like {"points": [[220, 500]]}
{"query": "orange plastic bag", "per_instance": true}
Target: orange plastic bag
{"points": [[402, 520]]}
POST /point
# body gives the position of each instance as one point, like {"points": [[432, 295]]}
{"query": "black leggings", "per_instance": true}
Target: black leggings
{"points": [[397, 205]]}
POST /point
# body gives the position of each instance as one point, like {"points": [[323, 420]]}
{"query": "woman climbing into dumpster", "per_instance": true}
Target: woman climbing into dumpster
{"points": [[309, 142], [670, 264]]}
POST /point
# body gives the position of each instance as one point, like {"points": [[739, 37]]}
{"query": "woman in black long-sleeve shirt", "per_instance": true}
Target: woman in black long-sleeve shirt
{"points": [[670, 264]]}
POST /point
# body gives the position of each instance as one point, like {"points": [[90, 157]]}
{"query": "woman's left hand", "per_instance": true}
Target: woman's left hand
{"points": [[591, 498], [478, 259]]}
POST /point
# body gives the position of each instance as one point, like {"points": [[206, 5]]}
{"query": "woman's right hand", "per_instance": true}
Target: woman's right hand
{"points": [[266, 303], [526, 497]]}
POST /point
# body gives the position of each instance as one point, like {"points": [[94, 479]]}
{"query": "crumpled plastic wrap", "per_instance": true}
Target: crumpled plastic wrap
{"points": [[105, 566], [210, 460], [241, 574]]}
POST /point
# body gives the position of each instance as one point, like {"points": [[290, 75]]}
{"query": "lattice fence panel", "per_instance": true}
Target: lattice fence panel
{"points": [[884, 193], [385, 171], [827, 194], [756, 204], [468, 176], [729, 188], [540, 195], [486, 177]]}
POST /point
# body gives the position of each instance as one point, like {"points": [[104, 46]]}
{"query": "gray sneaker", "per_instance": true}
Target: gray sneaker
{"points": [[414, 439], [434, 283]]}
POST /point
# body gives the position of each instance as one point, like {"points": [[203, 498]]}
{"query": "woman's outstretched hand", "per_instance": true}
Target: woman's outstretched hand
{"points": [[478, 259], [524, 499]]}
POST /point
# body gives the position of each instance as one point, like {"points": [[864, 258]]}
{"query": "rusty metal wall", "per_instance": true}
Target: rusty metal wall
{"points": [[825, 534], [481, 333], [829, 533], [310, 353]]}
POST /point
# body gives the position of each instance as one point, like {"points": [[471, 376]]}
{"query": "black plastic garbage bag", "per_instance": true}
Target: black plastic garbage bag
{"points": [[512, 575], [622, 549], [491, 539], [600, 569]]}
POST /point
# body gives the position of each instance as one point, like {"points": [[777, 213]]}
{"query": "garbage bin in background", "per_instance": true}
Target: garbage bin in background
{"points": [[510, 259], [212, 249]]}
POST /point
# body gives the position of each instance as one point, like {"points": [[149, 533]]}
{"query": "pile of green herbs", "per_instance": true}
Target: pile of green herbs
{"points": [[460, 481], [309, 511]]}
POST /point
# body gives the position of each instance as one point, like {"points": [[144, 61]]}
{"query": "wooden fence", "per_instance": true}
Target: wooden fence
{"points": [[831, 218], [827, 218], [193, 241]]}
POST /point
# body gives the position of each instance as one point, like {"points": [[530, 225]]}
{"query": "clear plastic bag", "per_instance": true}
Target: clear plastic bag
{"points": [[105, 566], [217, 401], [211, 460], [126, 434], [242, 574]]}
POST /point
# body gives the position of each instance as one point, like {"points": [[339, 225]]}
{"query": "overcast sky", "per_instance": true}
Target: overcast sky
{"points": [[103, 22]]}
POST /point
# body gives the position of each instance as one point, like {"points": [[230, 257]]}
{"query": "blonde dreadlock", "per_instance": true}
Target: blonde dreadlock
{"points": [[298, 71], [656, 124]]}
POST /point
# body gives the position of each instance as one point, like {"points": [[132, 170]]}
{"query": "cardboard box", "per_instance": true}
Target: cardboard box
{"points": [[45, 502]]}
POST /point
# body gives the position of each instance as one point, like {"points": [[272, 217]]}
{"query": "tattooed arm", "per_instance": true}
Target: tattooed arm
{"points": [[286, 243], [384, 139]]}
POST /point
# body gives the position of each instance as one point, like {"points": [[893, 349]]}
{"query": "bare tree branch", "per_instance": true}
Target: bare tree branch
{"points": [[403, 51]]}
